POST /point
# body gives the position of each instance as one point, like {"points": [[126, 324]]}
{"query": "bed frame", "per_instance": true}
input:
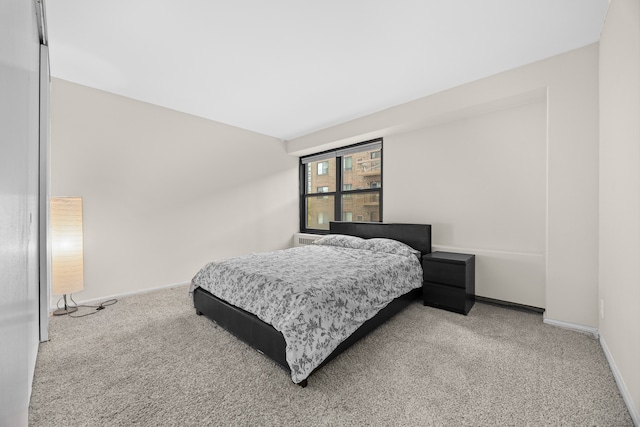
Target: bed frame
{"points": [[267, 340]]}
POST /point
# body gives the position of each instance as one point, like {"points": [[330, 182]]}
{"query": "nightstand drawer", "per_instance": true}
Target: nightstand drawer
{"points": [[447, 297], [444, 272]]}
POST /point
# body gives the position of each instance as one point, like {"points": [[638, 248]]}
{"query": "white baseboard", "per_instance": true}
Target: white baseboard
{"points": [[126, 294], [633, 411], [573, 326]]}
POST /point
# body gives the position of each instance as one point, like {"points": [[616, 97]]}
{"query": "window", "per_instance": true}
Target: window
{"points": [[348, 165], [323, 168], [348, 185], [323, 218]]}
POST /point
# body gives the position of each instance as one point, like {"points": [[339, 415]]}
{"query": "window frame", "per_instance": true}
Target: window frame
{"points": [[339, 189]]}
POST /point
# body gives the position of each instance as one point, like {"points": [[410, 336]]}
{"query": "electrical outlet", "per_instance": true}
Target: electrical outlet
{"points": [[601, 308]]}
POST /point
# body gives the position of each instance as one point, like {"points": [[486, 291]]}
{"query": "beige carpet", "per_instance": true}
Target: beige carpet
{"points": [[150, 360]]}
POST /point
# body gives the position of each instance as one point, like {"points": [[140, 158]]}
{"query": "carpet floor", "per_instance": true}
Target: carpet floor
{"points": [[149, 360]]}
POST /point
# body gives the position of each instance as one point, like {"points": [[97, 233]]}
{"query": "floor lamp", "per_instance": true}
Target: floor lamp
{"points": [[67, 258]]}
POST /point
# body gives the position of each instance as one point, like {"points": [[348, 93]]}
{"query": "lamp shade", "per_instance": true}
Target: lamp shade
{"points": [[67, 258]]}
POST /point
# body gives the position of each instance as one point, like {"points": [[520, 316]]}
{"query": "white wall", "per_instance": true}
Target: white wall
{"points": [[165, 192], [481, 183], [620, 195], [19, 145], [568, 84]]}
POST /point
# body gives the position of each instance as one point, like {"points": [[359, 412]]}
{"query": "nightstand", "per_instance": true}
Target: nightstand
{"points": [[449, 281]]}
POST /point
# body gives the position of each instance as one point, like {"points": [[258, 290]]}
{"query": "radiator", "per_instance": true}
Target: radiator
{"points": [[301, 239]]}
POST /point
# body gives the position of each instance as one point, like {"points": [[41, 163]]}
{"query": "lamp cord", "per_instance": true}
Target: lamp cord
{"points": [[99, 307]]}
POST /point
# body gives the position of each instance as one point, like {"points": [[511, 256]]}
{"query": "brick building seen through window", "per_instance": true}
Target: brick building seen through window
{"points": [[357, 195]]}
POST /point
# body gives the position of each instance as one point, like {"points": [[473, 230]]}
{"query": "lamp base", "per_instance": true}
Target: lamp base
{"points": [[63, 311]]}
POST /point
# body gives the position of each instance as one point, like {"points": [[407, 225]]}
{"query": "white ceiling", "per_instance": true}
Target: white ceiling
{"points": [[287, 68]]}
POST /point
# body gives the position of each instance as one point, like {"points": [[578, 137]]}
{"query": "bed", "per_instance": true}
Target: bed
{"points": [[293, 332]]}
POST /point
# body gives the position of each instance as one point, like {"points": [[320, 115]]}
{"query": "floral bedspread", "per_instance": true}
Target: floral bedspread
{"points": [[315, 295]]}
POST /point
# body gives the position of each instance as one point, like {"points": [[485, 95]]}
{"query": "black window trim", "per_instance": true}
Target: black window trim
{"points": [[337, 194]]}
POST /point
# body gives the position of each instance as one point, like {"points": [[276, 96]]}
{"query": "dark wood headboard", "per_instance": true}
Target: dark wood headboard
{"points": [[418, 236]]}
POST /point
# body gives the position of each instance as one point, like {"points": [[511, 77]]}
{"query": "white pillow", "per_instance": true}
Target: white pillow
{"points": [[390, 246], [341, 240]]}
